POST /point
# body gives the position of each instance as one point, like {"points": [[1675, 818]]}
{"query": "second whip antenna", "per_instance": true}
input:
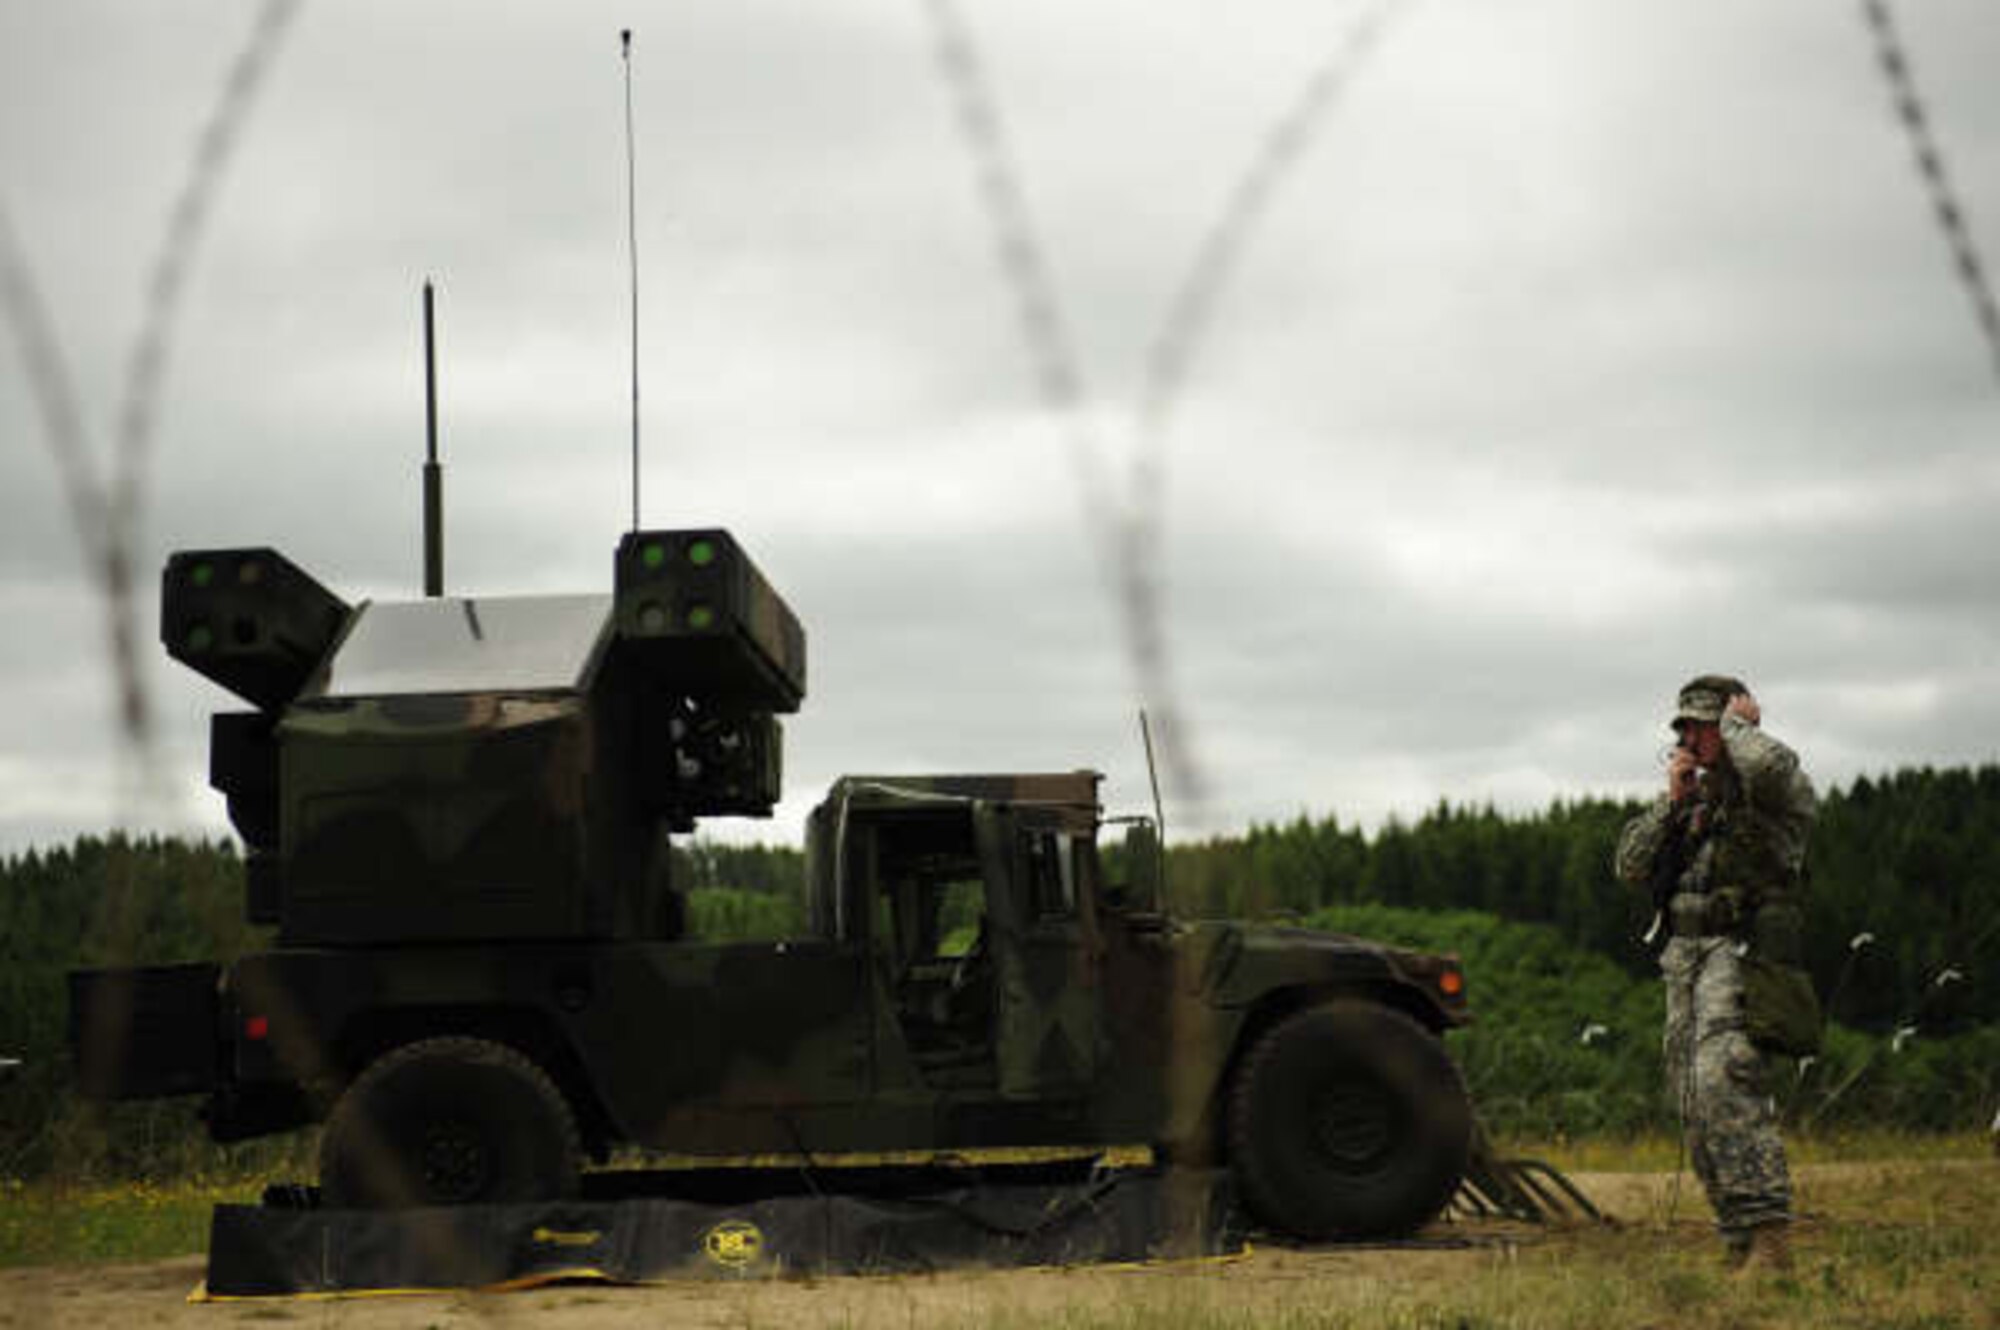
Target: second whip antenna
{"points": [[632, 252]]}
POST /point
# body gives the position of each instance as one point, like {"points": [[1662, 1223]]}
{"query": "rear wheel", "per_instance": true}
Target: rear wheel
{"points": [[449, 1121], [1346, 1120]]}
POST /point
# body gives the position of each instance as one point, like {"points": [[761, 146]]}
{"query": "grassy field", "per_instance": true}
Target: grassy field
{"points": [[1894, 1232], [58, 1224], [1661, 1153]]}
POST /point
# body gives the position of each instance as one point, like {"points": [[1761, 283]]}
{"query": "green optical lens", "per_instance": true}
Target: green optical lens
{"points": [[700, 617], [701, 553], [653, 556]]}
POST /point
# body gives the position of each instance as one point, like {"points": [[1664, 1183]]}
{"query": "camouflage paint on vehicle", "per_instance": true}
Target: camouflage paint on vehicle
{"points": [[458, 818]]}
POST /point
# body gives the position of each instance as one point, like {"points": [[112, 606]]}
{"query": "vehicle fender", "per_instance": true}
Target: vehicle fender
{"points": [[1269, 962], [320, 1017]]}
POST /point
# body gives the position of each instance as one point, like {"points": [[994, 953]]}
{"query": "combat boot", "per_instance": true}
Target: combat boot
{"points": [[1768, 1251]]}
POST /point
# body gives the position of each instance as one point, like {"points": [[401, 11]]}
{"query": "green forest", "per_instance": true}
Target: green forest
{"points": [[1904, 915], [1909, 863]]}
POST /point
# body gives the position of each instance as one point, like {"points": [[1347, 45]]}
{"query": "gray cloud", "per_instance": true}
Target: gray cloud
{"points": [[1590, 346]]}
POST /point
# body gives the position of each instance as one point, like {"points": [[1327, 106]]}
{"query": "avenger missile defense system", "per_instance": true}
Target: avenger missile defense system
{"points": [[491, 767], [456, 815]]}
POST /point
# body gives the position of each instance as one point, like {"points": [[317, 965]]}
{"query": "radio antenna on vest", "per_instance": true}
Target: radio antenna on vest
{"points": [[632, 252]]}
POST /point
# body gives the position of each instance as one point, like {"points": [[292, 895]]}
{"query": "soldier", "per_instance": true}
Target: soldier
{"points": [[1724, 851]]}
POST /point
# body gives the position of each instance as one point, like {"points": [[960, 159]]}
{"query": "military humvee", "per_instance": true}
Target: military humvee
{"points": [[456, 813]]}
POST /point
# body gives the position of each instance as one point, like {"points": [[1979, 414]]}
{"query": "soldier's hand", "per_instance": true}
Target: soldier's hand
{"points": [[1681, 772], [1745, 706]]}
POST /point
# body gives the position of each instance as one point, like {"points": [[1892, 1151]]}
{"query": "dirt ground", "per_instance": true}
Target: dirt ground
{"points": [[1273, 1280]]}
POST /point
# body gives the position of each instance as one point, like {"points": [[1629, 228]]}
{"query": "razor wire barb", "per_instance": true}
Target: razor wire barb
{"points": [[1894, 60], [1132, 552]]}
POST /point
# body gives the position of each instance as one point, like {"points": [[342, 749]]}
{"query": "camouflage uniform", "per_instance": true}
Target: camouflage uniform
{"points": [[1744, 841]]}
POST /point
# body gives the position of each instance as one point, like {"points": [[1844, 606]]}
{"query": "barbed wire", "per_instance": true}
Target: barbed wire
{"points": [[138, 415], [1058, 372], [1126, 528], [1184, 331], [1063, 387], [1191, 313], [106, 507], [1894, 61], [53, 389]]}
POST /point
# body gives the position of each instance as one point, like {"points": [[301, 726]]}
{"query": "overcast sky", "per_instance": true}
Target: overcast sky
{"points": [[1590, 345]]}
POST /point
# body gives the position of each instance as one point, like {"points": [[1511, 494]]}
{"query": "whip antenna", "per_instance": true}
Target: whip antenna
{"points": [[632, 252], [433, 473], [1159, 813]]}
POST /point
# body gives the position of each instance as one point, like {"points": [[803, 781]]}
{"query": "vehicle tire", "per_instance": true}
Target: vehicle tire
{"points": [[1348, 1120], [448, 1121]]}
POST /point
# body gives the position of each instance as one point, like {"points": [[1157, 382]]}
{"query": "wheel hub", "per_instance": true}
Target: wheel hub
{"points": [[1352, 1127], [456, 1164]]}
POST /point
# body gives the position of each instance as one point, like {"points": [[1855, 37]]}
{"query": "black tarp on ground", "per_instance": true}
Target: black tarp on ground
{"points": [[1124, 1216]]}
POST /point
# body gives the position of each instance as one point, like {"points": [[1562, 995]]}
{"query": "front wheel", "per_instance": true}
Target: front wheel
{"points": [[1348, 1120], [449, 1121]]}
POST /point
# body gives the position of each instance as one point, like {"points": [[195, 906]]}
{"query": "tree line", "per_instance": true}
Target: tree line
{"points": [[1903, 885], [1904, 926]]}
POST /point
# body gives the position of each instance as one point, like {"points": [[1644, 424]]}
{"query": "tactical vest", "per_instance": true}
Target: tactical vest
{"points": [[1760, 895], [1756, 896]]}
